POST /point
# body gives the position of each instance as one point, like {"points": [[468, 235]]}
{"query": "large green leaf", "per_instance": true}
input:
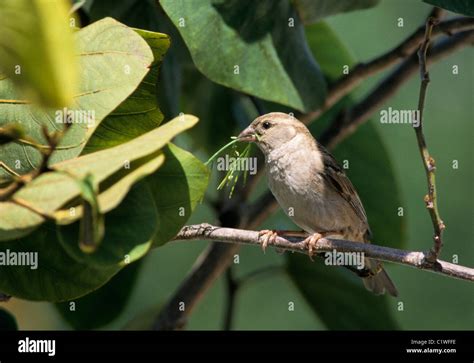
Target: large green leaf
{"points": [[338, 297], [139, 113], [147, 14], [37, 50], [264, 39], [311, 11], [177, 187], [113, 60], [58, 277], [156, 201], [339, 300], [103, 305], [110, 172], [465, 7], [152, 210]]}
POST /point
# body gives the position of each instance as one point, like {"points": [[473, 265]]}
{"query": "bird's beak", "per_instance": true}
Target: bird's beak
{"points": [[248, 135]]}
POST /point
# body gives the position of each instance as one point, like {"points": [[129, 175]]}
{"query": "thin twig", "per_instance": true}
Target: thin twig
{"points": [[428, 161], [415, 259]]}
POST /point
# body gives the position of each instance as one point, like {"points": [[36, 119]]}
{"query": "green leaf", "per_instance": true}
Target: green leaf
{"points": [[37, 50], [339, 300], [177, 187], [102, 306], [465, 7], [63, 275], [311, 11], [123, 243], [57, 277], [139, 113], [147, 14], [250, 46], [113, 60], [114, 170], [7, 321], [337, 296]]}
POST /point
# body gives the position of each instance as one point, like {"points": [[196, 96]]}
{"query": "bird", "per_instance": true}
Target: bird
{"points": [[312, 189]]}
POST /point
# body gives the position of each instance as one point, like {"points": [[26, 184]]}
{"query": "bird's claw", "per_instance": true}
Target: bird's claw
{"points": [[311, 242], [269, 237]]}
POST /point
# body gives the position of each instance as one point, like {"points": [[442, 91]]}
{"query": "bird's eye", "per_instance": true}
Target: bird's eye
{"points": [[266, 125]]}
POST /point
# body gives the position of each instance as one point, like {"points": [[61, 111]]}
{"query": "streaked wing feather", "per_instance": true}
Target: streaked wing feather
{"points": [[340, 182]]}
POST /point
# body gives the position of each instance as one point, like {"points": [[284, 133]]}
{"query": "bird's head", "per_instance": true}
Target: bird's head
{"points": [[273, 130]]}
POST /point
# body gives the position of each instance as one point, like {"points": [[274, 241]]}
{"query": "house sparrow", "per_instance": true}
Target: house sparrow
{"points": [[312, 189]]}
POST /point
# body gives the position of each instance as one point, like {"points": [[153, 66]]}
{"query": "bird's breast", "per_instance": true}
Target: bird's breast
{"points": [[302, 193]]}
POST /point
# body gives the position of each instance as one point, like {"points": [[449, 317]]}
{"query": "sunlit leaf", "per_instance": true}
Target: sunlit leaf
{"points": [[37, 50], [113, 60]]}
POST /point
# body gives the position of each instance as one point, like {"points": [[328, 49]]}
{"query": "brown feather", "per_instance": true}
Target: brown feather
{"points": [[338, 180]]}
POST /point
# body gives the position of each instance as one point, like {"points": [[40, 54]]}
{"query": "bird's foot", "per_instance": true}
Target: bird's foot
{"points": [[269, 237], [311, 242]]}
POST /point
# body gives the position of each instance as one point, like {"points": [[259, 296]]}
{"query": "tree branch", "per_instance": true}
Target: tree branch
{"points": [[428, 161], [361, 71], [415, 259]]}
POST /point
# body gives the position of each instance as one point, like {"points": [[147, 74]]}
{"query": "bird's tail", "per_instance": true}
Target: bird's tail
{"points": [[378, 282]]}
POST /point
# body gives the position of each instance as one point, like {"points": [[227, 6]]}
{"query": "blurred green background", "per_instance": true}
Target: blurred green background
{"points": [[429, 301]]}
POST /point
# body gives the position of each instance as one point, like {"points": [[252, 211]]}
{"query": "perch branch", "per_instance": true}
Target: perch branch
{"points": [[415, 259], [428, 161]]}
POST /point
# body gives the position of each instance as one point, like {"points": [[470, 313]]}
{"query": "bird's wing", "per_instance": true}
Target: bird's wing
{"points": [[338, 180]]}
